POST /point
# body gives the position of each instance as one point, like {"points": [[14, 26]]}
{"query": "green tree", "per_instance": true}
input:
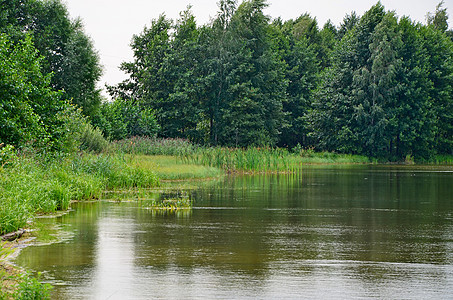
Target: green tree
{"points": [[439, 50], [256, 84], [68, 52], [31, 113], [122, 119], [302, 68], [438, 19]]}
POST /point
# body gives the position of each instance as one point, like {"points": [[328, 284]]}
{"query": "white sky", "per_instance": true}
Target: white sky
{"points": [[112, 23]]}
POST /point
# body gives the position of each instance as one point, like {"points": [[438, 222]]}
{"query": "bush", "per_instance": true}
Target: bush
{"points": [[29, 288], [91, 139], [7, 154], [122, 119]]}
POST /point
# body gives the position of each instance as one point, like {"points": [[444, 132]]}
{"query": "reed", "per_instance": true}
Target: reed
{"points": [[31, 185], [443, 160], [152, 146], [244, 160], [174, 168], [264, 160]]}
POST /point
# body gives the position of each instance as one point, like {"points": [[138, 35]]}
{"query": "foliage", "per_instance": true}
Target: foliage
{"points": [[66, 50], [218, 85], [7, 154], [92, 140], [377, 97], [30, 288], [34, 185], [122, 119], [153, 146], [252, 160], [377, 85]]}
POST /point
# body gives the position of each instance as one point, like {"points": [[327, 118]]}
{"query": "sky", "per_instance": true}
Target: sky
{"points": [[112, 23]]}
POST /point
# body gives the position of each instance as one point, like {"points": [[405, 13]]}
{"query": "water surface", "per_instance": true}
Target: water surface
{"points": [[328, 232]]}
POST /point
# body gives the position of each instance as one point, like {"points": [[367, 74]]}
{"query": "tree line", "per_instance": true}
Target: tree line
{"points": [[377, 85]]}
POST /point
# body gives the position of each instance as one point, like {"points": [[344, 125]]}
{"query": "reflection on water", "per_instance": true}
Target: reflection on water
{"points": [[339, 232]]}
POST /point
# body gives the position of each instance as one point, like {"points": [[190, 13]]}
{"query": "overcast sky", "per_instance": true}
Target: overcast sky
{"points": [[112, 23]]}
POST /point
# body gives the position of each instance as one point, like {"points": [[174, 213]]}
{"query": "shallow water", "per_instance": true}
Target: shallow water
{"points": [[328, 232]]}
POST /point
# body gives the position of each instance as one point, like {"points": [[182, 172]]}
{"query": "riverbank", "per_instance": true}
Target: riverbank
{"points": [[33, 184]]}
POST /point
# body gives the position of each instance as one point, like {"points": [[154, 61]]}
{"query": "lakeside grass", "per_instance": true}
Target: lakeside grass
{"points": [[264, 160], [30, 186], [173, 168]]}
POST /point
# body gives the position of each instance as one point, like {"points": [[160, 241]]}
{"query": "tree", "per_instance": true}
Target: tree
{"points": [[439, 50], [31, 113], [122, 119], [375, 99], [438, 20], [338, 97], [252, 114], [68, 53], [349, 21], [302, 68]]}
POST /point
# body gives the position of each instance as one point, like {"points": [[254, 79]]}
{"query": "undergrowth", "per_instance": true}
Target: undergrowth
{"points": [[30, 186]]}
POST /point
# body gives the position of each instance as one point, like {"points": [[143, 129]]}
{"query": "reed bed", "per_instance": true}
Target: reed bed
{"points": [[153, 146], [262, 160], [30, 186], [443, 160]]}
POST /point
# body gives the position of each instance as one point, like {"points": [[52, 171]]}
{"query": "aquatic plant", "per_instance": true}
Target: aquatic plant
{"points": [[256, 159], [153, 146], [32, 185]]}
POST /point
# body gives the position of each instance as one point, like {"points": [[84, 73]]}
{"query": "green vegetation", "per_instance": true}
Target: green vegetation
{"points": [[19, 286], [64, 49], [377, 85], [153, 146], [258, 95], [252, 160], [176, 168], [31, 185]]}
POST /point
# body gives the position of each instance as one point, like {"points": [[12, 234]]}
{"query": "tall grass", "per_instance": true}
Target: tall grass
{"points": [[153, 146], [31, 185], [443, 160], [265, 159]]}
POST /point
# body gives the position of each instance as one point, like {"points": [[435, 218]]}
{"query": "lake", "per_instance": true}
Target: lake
{"points": [[337, 232]]}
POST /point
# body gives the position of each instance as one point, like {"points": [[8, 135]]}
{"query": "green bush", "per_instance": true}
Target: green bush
{"points": [[34, 185], [7, 154], [29, 288], [122, 119], [91, 139]]}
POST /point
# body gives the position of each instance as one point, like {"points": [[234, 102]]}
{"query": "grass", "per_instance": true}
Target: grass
{"points": [[174, 168], [443, 160], [31, 186], [16, 285], [153, 146], [262, 160]]}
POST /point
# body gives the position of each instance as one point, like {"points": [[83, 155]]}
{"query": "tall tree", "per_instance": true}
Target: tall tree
{"points": [[438, 19], [68, 52], [256, 84], [31, 113]]}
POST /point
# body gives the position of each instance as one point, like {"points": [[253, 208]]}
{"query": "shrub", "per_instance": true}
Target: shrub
{"points": [[29, 288], [91, 139]]}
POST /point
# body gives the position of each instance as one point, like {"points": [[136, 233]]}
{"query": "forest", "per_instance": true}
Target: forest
{"points": [[377, 85]]}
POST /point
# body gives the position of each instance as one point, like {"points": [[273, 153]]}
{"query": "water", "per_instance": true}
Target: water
{"points": [[327, 233]]}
